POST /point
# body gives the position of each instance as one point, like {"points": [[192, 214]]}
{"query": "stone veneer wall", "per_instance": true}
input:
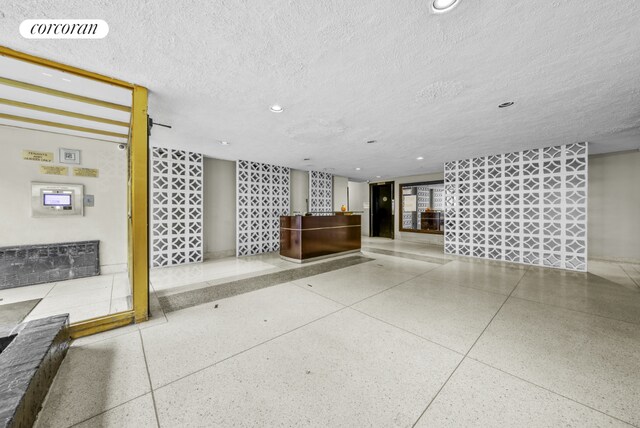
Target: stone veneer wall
{"points": [[36, 264]]}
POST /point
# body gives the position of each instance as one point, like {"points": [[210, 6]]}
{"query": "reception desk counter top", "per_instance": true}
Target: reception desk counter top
{"points": [[303, 238]]}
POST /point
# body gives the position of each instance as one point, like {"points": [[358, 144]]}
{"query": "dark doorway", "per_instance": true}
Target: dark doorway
{"points": [[382, 209]]}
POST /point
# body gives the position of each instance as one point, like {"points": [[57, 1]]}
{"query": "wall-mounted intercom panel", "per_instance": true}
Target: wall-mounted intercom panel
{"points": [[56, 200]]}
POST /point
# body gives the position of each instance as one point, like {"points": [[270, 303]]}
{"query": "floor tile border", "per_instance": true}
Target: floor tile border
{"points": [[187, 299], [411, 256]]}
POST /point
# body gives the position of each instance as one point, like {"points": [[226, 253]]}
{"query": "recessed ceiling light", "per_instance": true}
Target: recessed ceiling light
{"points": [[507, 104], [357, 169], [224, 143], [66, 80], [442, 6], [419, 158], [276, 108], [47, 74], [378, 176]]}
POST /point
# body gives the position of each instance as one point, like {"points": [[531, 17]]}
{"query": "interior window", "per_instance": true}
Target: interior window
{"points": [[422, 206]]}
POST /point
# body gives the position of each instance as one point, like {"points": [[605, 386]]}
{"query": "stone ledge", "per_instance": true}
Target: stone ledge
{"points": [[28, 365]]}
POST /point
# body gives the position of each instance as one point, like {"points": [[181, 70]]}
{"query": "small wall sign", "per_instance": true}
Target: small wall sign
{"points": [[85, 172], [70, 156], [409, 203], [54, 170], [37, 156]]}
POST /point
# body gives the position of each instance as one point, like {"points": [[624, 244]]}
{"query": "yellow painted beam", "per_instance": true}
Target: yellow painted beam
{"points": [[62, 94], [61, 125], [100, 324], [52, 110], [5, 51], [138, 205], [49, 131]]}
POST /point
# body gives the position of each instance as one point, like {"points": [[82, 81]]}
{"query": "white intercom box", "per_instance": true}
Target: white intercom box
{"points": [[56, 199]]}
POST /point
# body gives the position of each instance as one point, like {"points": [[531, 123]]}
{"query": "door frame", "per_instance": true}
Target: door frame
{"points": [[393, 206], [137, 195]]}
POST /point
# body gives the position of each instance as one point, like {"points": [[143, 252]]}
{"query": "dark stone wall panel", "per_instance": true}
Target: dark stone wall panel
{"points": [[38, 264]]}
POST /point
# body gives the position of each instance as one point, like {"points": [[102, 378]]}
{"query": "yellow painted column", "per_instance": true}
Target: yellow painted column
{"points": [[138, 208]]}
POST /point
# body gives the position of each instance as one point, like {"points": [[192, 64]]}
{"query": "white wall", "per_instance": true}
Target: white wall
{"points": [[219, 208], [614, 207], [299, 191], [358, 197], [106, 221], [340, 185]]}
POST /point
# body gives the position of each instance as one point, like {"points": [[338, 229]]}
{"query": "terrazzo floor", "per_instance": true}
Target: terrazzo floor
{"points": [[402, 341], [81, 298]]}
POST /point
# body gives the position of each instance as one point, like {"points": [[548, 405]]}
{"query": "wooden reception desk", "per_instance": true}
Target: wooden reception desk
{"points": [[303, 238]]}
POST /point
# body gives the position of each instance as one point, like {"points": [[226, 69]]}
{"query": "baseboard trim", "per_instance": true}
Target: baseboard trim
{"points": [[219, 254], [624, 260], [116, 268]]}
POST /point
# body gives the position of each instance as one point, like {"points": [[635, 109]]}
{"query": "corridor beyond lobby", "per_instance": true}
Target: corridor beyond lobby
{"points": [[409, 337]]}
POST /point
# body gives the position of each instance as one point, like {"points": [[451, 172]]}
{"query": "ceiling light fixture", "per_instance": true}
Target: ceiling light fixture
{"points": [[46, 74], [505, 105], [357, 169], [442, 6], [419, 158], [276, 108], [66, 80], [378, 176], [224, 143]]}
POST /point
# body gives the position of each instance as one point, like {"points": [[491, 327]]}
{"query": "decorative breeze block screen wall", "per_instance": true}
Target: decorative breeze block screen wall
{"points": [[176, 207], [320, 192], [407, 220], [423, 199], [528, 207], [263, 195], [438, 199]]}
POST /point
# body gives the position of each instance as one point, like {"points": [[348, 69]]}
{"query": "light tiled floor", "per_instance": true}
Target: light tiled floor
{"points": [[81, 298], [86, 298], [209, 271], [390, 342], [177, 279]]}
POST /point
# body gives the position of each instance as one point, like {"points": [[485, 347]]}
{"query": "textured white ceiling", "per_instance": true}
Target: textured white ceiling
{"points": [[351, 71]]}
